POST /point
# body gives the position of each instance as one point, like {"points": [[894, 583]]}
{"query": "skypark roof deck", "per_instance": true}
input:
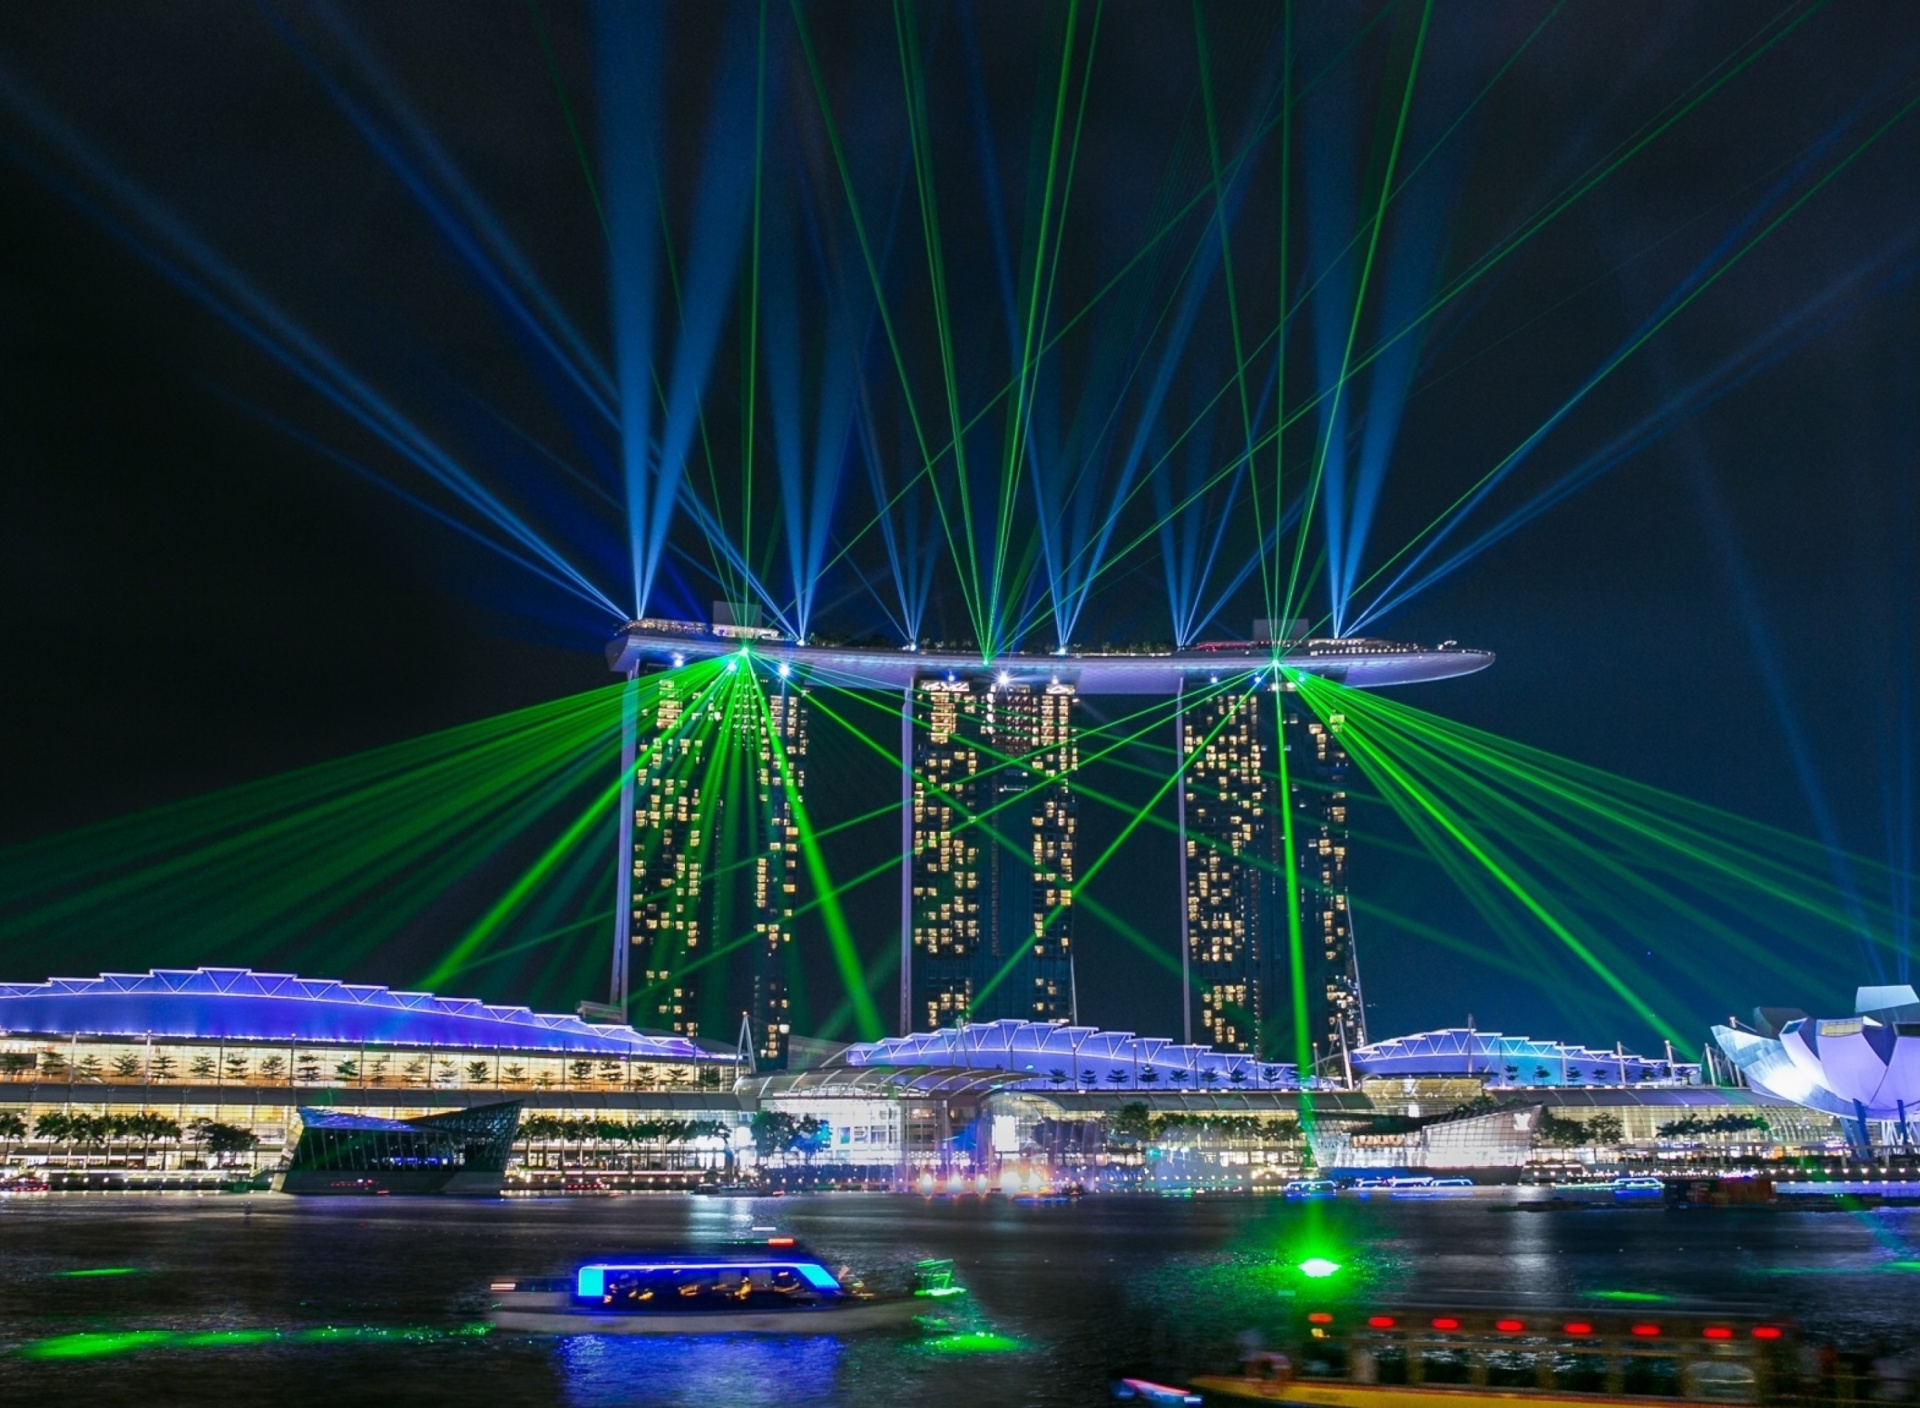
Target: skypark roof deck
{"points": [[1362, 663]]}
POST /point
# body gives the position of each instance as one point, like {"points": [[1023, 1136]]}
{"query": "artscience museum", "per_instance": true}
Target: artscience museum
{"points": [[1863, 1068]]}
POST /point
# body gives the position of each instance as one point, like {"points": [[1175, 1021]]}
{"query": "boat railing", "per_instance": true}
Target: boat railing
{"points": [[1557, 1354]]}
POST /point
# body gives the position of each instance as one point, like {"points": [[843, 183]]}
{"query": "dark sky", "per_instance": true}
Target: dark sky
{"points": [[197, 593]]}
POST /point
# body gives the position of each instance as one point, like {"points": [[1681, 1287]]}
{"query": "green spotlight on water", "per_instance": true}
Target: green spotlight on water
{"points": [[1319, 1267]]}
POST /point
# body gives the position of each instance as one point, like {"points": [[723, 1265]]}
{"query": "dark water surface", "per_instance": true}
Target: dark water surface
{"points": [[312, 1301]]}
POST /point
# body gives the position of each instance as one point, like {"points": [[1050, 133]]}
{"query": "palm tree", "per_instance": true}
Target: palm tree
{"points": [[12, 1126], [1057, 1077], [1210, 1076], [53, 1127], [1149, 1076], [1116, 1076]]}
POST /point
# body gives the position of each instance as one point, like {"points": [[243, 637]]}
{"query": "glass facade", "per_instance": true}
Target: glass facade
{"points": [[148, 1105], [465, 1148]]}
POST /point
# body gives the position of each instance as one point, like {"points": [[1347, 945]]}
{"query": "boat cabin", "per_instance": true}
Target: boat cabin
{"points": [[686, 1284]]}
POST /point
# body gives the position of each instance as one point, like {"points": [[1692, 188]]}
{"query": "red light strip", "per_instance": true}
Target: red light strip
{"points": [[1646, 1332]]}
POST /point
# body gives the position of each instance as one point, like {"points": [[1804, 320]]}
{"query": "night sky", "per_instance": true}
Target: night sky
{"points": [[199, 592]]}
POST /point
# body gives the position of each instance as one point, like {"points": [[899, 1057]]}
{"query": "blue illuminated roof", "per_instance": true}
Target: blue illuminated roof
{"points": [[1068, 1056], [238, 1004], [1464, 1051]]}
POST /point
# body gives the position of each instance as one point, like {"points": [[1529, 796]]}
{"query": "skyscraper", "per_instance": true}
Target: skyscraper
{"points": [[781, 776], [669, 840], [1317, 773], [1234, 875], [991, 851], [715, 858], [1229, 866]]}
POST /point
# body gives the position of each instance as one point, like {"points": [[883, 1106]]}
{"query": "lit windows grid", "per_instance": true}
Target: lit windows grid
{"points": [[993, 849]]}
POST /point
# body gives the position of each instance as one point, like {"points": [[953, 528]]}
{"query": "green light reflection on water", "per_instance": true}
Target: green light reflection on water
{"points": [[101, 1271], [973, 1342], [1628, 1295], [1905, 1264], [98, 1344]]}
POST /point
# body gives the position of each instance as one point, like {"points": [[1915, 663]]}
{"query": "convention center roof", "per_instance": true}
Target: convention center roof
{"points": [[1079, 1056], [1515, 1060], [238, 1004]]}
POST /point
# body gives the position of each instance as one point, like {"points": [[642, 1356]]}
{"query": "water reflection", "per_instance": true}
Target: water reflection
{"points": [[744, 1371]]}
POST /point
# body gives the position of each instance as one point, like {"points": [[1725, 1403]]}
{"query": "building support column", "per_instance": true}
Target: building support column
{"points": [[1180, 803], [623, 868], [906, 861]]}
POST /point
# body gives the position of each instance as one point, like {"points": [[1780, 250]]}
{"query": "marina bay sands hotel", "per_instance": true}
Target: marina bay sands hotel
{"points": [[989, 846]]}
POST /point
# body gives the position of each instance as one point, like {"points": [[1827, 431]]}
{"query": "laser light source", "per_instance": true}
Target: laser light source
{"points": [[1319, 1267]]}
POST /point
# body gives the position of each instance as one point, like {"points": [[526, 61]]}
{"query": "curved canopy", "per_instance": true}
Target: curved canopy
{"points": [[238, 1004]]}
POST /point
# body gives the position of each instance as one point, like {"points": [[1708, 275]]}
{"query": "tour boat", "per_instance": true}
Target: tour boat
{"points": [[1438, 1356], [772, 1288]]}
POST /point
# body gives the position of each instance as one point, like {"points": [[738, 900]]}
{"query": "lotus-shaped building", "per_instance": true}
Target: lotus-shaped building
{"points": [[1863, 1067]]}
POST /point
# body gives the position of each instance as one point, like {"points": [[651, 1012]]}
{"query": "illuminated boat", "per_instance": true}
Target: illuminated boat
{"points": [[1450, 1357], [775, 1288]]}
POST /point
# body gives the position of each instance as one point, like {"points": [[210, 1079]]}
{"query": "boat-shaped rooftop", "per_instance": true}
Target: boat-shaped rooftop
{"points": [[1357, 661]]}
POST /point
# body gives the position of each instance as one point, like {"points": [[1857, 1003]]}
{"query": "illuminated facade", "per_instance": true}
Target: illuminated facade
{"points": [[1863, 1068], [1229, 863], [669, 846], [1232, 868], [1317, 776], [780, 760], [991, 851], [716, 781], [182, 1071]]}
